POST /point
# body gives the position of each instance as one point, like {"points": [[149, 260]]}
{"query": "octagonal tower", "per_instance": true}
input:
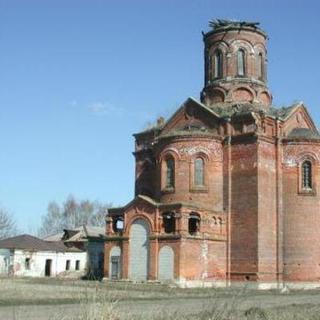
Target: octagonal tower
{"points": [[235, 64]]}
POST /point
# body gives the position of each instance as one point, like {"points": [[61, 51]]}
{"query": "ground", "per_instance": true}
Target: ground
{"points": [[42, 299]]}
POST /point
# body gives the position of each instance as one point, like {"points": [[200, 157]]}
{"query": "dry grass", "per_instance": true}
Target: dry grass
{"points": [[126, 301]]}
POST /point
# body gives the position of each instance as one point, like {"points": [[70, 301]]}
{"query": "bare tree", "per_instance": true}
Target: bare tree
{"points": [[71, 214], [7, 224], [52, 222]]}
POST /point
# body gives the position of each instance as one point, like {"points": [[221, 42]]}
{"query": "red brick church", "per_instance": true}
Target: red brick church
{"points": [[227, 188]]}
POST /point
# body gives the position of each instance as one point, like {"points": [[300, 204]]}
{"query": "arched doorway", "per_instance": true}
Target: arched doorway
{"points": [[115, 263], [166, 264], [139, 250]]}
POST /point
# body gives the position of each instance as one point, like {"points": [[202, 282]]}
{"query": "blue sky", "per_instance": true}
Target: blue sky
{"points": [[78, 78]]}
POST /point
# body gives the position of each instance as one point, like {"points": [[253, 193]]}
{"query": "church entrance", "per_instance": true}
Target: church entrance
{"points": [[139, 250]]}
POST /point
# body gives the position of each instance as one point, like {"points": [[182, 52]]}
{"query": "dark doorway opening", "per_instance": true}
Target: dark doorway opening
{"points": [[48, 268], [169, 222]]}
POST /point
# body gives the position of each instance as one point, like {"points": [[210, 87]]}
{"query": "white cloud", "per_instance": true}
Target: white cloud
{"points": [[104, 108]]}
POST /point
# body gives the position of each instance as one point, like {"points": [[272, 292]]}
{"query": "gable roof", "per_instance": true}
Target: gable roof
{"points": [[193, 101], [156, 128], [28, 242], [79, 234], [129, 204], [154, 204]]}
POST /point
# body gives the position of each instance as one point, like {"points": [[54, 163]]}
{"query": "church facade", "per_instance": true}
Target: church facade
{"points": [[227, 189]]}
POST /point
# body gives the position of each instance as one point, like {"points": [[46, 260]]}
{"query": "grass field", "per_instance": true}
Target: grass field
{"points": [[52, 299]]}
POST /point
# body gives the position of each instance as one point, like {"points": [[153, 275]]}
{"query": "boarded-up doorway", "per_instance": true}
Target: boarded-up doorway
{"points": [[166, 264], [139, 250], [115, 263], [48, 268]]}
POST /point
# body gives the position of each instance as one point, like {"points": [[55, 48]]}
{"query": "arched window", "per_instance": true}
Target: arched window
{"points": [[306, 175], [217, 65], [169, 173], [241, 62], [199, 172], [260, 66]]}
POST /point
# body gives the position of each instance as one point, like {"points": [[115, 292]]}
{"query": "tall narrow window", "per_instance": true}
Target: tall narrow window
{"points": [[306, 175], [169, 173], [169, 222], [217, 64], [199, 172], [210, 66], [241, 56], [260, 66], [27, 264], [194, 223]]}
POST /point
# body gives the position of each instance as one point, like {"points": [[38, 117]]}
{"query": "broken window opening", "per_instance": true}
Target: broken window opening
{"points": [[67, 265], [77, 265], [169, 222], [194, 224], [117, 224]]}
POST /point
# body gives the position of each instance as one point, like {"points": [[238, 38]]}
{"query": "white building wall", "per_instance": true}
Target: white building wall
{"points": [[4, 261], [38, 262]]}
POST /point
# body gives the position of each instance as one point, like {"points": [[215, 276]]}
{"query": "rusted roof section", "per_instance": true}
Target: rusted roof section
{"points": [[227, 23], [28, 242], [304, 133], [229, 110], [153, 203], [224, 25]]}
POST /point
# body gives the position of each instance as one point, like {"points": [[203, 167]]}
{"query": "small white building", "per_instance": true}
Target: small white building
{"points": [[29, 256], [87, 238]]}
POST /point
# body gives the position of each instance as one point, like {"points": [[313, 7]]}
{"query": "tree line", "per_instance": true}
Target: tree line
{"points": [[70, 214]]}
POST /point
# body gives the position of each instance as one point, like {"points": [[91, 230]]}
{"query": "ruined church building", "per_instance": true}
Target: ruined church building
{"points": [[227, 189]]}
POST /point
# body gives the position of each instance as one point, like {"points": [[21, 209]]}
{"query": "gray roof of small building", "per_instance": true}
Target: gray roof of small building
{"points": [[54, 237], [28, 242], [94, 232], [79, 234]]}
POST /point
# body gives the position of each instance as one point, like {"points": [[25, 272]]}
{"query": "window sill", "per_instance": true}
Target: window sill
{"points": [[307, 192], [167, 190], [200, 189]]}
